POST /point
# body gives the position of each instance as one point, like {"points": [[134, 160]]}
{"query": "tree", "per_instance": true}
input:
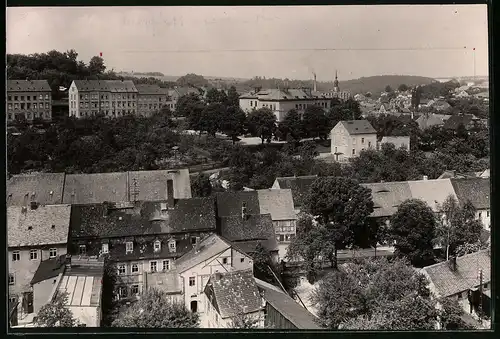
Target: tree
{"points": [[262, 123], [244, 321], [291, 126], [56, 313], [315, 122], [469, 248], [189, 105], [413, 229], [201, 186], [214, 96], [308, 151], [210, 119], [233, 122], [155, 310], [402, 88], [342, 206], [451, 315], [233, 98], [388, 89], [96, 65], [458, 225]]}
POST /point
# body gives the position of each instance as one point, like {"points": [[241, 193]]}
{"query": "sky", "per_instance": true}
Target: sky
{"points": [[243, 42]]}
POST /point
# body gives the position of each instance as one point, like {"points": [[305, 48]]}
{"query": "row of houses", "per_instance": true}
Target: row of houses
{"points": [[32, 99]]}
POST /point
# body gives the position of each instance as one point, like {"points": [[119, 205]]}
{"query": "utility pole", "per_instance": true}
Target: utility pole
{"points": [[480, 295]]}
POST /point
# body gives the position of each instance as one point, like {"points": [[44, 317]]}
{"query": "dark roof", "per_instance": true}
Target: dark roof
{"points": [[49, 269], [475, 190], [455, 120], [299, 185], [145, 250], [41, 184], [354, 127], [118, 86], [250, 227], [249, 246], [235, 293], [151, 89], [287, 307], [142, 218], [448, 282], [230, 204], [278, 203], [28, 86]]}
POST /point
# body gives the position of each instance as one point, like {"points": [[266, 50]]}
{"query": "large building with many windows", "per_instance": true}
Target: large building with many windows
{"points": [[151, 98], [113, 98], [28, 100]]}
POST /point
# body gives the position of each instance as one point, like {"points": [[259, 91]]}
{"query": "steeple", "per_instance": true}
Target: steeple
{"points": [[336, 83]]}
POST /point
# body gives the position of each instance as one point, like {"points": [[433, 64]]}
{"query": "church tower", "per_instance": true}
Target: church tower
{"points": [[336, 83]]}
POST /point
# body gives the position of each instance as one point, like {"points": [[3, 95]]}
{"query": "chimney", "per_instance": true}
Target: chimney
{"points": [[68, 261], [34, 205], [314, 84], [105, 209], [453, 263], [425, 177], [170, 194], [243, 210]]}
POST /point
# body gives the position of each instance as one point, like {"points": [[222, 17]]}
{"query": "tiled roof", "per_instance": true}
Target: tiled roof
{"points": [[277, 203], [354, 127], [388, 196], [50, 268], [41, 226], [432, 192], [181, 91], [299, 186], [42, 184], [287, 307], [151, 89], [250, 227], [426, 121], [118, 86], [235, 293], [476, 190], [230, 204], [206, 249], [448, 282], [142, 217], [145, 250], [454, 121], [249, 246], [28, 86], [152, 185], [275, 94], [95, 188]]}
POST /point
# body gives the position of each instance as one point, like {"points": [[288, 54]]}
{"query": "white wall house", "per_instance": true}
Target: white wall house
{"points": [[349, 138]]}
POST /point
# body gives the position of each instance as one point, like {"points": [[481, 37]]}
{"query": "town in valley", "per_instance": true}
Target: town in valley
{"points": [[328, 193]]}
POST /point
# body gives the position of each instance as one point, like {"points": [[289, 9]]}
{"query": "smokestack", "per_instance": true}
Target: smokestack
{"points": [[314, 85], [453, 263], [170, 194]]}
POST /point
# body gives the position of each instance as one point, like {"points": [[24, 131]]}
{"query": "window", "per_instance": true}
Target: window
{"points": [[12, 279], [166, 265], [135, 268], [105, 248], [10, 106], [134, 290], [353, 151], [157, 246], [33, 254], [459, 296], [152, 265], [122, 291], [16, 256], [121, 269], [192, 281], [369, 144], [34, 97], [193, 240], [362, 140], [10, 98], [46, 97], [83, 249], [242, 259], [129, 247], [171, 245], [224, 261], [354, 141], [52, 252], [22, 97], [480, 214], [41, 97], [488, 214], [15, 97]]}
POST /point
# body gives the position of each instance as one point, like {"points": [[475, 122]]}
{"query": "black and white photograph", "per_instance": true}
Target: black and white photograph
{"points": [[248, 167]]}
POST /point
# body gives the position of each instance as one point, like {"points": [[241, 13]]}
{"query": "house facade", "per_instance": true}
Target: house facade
{"points": [[212, 255], [298, 185], [35, 233], [151, 99], [28, 100], [476, 191], [349, 138]]}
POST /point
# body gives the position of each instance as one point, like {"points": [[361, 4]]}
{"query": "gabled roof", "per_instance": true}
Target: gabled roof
{"points": [[205, 250], [230, 204], [249, 246], [277, 203], [388, 196], [45, 225], [275, 94], [181, 91], [475, 190], [355, 127], [48, 269], [28, 86], [142, 217], [151, 89], [454, 121], [42, 184], [234, 293], [300, 317], [249, 227], [448, 282], [433, 192], [152, 185], [114, 86], [426, 121], [95, 188], [298, 185]]}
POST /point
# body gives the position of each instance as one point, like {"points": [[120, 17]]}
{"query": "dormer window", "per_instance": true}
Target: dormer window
{"points": [[129, 247], [105, 248], [157, 246], [163, 206], [51, 192], [171, 245]]}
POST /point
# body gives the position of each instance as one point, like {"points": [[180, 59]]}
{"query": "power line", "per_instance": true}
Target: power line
{"points": [[298, 50]]}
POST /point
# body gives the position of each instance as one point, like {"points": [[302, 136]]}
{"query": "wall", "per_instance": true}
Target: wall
{"points": [[281, 108], [204, 270], [212, 318], [42, 292], [344, 143], [274, 319], [45, 111], [150, 103], [25, 269]]}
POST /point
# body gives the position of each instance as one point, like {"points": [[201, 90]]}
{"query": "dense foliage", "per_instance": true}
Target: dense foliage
{"points": [[154, 309], [56, 313]]}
